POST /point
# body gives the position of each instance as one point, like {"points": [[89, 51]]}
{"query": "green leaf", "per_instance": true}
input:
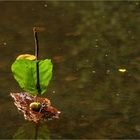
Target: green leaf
{"points": [[25, 73]]}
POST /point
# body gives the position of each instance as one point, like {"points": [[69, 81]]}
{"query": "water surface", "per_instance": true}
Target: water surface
{"points": [[88, 43]]}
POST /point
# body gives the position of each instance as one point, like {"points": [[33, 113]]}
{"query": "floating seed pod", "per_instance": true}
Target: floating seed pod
{"points": [[35, 111], [35, 106]]}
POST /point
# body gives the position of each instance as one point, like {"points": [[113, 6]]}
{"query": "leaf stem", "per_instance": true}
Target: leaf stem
{"points": [[37, 62]]}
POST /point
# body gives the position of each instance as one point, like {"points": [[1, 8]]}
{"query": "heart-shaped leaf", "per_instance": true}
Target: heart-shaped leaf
{"points": [[25, 73]]}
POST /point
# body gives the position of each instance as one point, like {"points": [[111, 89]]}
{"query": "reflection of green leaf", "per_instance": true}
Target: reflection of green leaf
{"points": [[27, 131], [25, 73]]}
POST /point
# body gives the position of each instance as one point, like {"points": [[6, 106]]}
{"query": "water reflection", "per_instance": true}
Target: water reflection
{"points": [[88, 43], [27, 130]]}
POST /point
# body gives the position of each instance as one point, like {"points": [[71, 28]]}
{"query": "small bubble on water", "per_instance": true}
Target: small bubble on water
{"points": [[53, 91], [132, 37], [77, 69], [60, 137], [96, 39], [82, 116], [45, 5], [93, 71], [137, 127], [108, 71], [129, 31], [103, 16], [96, 46], [117, 94], [4, 43]]}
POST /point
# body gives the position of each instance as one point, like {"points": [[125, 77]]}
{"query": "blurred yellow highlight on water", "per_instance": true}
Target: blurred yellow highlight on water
{"points": [[122, 70]]}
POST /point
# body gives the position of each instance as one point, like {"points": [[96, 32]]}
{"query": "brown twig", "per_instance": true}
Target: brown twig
{"points": [[37, 74], [37, 56]]}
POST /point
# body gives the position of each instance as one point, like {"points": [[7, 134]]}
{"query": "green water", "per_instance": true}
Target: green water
{"points": [[88, 43]]}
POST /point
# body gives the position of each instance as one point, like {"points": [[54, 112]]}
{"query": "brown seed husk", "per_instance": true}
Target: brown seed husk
{"points": [[46, 112]]}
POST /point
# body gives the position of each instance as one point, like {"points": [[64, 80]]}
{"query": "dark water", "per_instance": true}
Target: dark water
{"points": [[88, 43]]}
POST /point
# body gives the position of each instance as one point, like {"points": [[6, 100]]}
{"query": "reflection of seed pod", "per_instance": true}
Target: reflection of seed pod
{"points": [[35, 106]]}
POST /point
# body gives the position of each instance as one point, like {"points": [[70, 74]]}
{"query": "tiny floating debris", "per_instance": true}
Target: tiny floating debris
{"points": [[45, 5], [93, 71], [58, 59], [107, 71], [71, 78], [137, 58], [4, 43], [35, 109], [122, 70]]}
